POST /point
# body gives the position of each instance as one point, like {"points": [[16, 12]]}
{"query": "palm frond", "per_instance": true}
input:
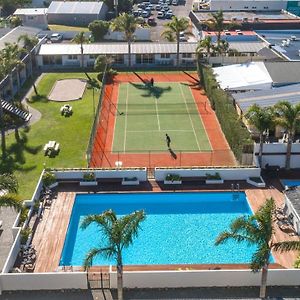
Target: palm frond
{"points": [[9, 182], [11, 200], [94, 252], [287, 246], [260, 258]]}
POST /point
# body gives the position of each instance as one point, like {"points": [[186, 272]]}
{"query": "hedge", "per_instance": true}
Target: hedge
{"points": [[233, 128]]}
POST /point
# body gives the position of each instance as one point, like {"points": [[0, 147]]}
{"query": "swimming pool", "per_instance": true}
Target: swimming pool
{"points": [[180, 228], [290, 182]]}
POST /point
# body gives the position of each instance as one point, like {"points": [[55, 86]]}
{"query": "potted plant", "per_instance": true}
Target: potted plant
{"points": [[49, 180], [88, 179], [213, 178], [26, 236], [130, 181], [173, 179], [256, 181]]}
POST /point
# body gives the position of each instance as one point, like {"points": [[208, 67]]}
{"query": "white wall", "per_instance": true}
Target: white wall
{"points": [[205, 278], [275, 154], [248, 5], [12, 256], [43, 281], [226, 174], [141, 173]]}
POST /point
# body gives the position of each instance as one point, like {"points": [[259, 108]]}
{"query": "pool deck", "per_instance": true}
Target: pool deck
{"points": [[50, 233]]}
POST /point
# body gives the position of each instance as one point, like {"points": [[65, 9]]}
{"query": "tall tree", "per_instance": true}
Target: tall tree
{"points": [[119, 233], [29, 43], [9, 59], [262, 120], [205, 46], [127, 24], [9, 183], [258, 230], [172, 32], [80, 38], [287, 116], [98, 28]]}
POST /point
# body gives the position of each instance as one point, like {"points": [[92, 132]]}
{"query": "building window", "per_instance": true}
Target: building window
{"points": [[72, 57], [165, 55], [118, 59], [246, 7], [52, 60], [266, 7], [30, 17], [92, 56], [145, 58], [186, 55]]}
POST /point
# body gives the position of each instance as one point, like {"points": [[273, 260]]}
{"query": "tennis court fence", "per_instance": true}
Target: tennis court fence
{"points": [[167, 158]]}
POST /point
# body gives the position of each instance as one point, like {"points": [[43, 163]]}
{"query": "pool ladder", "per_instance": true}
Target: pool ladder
{"points": [[235, 189]]}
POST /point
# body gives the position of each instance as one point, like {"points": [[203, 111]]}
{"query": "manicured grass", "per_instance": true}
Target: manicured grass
{"points": [[27, 159], [54, 27], [148, 113]]}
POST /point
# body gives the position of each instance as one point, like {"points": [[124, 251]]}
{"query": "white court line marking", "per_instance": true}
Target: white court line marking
{"points": [[207, 136], [172, 130], [125, 125], [115, 119], [156, 108], [189, 117]]}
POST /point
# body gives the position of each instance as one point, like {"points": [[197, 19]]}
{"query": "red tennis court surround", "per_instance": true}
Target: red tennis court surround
{"points": [[102, 155]]}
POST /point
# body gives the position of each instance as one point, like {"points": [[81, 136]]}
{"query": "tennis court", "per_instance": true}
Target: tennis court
{"points": [[135, 118], [146, 113]]}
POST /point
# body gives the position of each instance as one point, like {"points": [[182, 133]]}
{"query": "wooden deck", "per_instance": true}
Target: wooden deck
{"points": [[50, 235], [51, 231]]}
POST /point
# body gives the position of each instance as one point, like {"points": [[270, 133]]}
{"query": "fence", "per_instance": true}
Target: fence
{"points": [[152, 159], [96, 118]]}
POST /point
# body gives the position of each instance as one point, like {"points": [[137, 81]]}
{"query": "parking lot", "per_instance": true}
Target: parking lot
{"points": [[181, 10]]}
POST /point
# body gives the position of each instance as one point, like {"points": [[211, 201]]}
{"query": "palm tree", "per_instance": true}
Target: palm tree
{"points": [[9, 183], [288, 117], [216, 22], [29, 43], [119, 233], [262, 120], [127, 24], [205, 45], [172, 32], [256, 230], [80, 38]]}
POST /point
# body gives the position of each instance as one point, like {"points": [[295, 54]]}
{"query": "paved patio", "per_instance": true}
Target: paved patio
{"points": [[8, 216]]}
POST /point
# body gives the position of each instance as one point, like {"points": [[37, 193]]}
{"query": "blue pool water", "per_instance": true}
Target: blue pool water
{"points": [[180, 228], [290, 183]]}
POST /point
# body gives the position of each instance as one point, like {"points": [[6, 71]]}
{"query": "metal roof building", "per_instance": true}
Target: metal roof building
{"points": [[76, 13], [265, 98], [137, 48]]}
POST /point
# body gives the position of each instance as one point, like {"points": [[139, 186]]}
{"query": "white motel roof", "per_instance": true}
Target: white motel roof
{"points": [[136, 48], [31, 11]]}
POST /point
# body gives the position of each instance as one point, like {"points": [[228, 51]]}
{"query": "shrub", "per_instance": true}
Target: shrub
{"points": [[23, 216], [215, 176], [89, 176], [232, 126], [48, 178], [25, 235], [173, 177]]}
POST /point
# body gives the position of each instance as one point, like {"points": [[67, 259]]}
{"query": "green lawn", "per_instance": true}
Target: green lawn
{"points": [[26, 158], [148, 113], [54, 27]]}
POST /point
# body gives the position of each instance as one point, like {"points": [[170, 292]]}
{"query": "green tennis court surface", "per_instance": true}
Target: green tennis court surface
{"points": [[146, 114]]}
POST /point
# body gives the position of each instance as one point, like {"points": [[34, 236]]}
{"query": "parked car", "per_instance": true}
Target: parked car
{"points": [[175, 2], [169, 2], [146, 14], [140, 11], [136, 13], [169, 14], [56, 37], [151, 6], [158, 7], [166, 7], [160, 15], [151, 21], [183, 39], [141, 5]]}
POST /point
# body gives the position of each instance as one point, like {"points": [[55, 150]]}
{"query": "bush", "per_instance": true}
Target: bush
{"points": [[173, 177], [232, 126], [23, 216], [25, 235], [48, 179], [215, 176], [89, 176]]}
